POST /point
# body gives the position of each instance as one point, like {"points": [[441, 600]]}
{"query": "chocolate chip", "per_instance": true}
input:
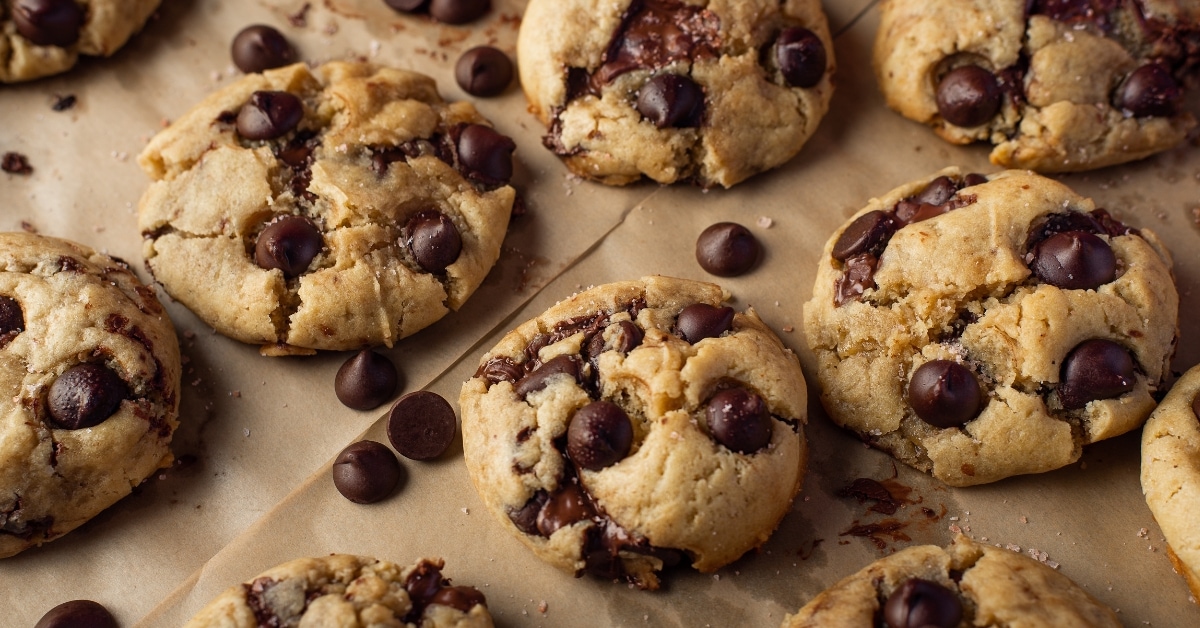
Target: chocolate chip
{"points": [[727, 249], [801, 56], [569, 505], [1095, 369], [738, 419], [485, 154], [12, 320], [462, 598], [483, 71], [268, 115], [974, 178], [540, 377], [671, 101], [261, 47], [599, 435], [1150, 91], [858, 276], [458, 11], [433, 240], [628, 337], [423, 583], [922, 603], [85, 395], [289, 244], [701, 320], [968, 96], [944, 393], [421, 425], [1074, 260], [867, 233], [500, 369], [365, 381], [15, 163], [936, 192], [77, 614], [406, 6], [657, 33], [525, 518], [366, 472], [63, 102], [48, 22]]}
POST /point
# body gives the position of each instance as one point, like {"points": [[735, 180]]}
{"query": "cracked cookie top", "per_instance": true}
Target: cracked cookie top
{"points": [[1054, 85], [981, 327], [635, 426], [89, 386], [711, 91], [330, 208]]}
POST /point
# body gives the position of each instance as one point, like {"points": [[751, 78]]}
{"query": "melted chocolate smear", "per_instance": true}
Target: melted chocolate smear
{"points": [[891, 528], [500, 369], [540, 377], [525, 517], [655, 33], [866, 489]]}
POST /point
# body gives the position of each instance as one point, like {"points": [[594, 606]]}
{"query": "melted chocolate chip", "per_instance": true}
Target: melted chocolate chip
{"points": [[289, 244], [458, 11], [268, 115], [433, 240], [1150, 91], [701, 320], [1095, 369], [968, 96], [727, 249], [260, 47], [85, 395], [483, 71], [671, 101], [801, 57], [1074, 260], [857, 277], [655, 33], [922, 604], [974, 178], [462, 598], [12, 320], [568, 505], [936, 192], [599, 435], [540, 377], [77, 614], [628, 337], [423, 583], [866, 234], [1098, 12], [421, 425], [525, 518], [945, 394], [486, 155], [366, 472], [500, 369], [48, 22], [406, 6], [739, 420], [365, 381]]}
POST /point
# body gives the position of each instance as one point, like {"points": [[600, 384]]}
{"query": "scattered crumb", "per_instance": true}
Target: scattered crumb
{"points": [[246, 431], [119, 155], [716, 576], [765, 222], [543, 607], [787, 329], [1023, 519], [15, 163], [62, 102], [1143, 533], [466, 511]]}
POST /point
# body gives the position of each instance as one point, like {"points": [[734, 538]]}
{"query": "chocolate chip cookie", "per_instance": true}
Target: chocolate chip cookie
{"points": [[965, 584], [89, 386], [635, 426], [330, 208], [1055, 85], [343, 590], [708, 91], [981, 327], [43, 37]]}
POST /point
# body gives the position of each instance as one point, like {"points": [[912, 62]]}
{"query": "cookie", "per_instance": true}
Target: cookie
{"points": [[344, 590], [965, 584], [89, 386], [982, 327], [1171, 474], [1055, 86], [331, 208], [43, 37], [707, 91], [635, 426]]}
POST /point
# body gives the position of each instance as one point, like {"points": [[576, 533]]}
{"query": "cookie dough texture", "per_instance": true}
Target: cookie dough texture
{"points": [[1171, 474], [997, 587], [755, 121], [1059, 77], [677, 491], [78, 306], [334, 591], [214, 192], [107, 25], [956, 287]]}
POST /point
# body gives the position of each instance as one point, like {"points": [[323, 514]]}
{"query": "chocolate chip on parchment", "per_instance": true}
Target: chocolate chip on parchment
{"points": [[77, 614], [483, 71], [421, 425], [261, 47], [366, 380], [366, 472], [727, 249], [406, 6], [458, 11]]}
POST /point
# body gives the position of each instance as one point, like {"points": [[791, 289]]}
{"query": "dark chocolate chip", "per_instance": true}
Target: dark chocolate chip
{"points": [[727, 249], [857, 278], [739, 420], [671, 101], [406, 6], [867, 233], [701, 320], [567, 506], [540, 377], [1074, 260], [458, 11], [599, 435], [483, 71], [63, 102], [922, 604], [261, 47], [289, 244], [945, 393], [366, 380], [968, 96], [501, 369], [12, 320], [936, 192], [801, 56], [268, 115], [655, 33], [423, 583], [525, 518], [462, 598], [85, 395], [421, 425], [366, 472], [1095, 369], [433, 240], [628, 337], [1150, 91], [15, 163], [974, 178], [77, 614], [486, 155], [908, 212], [48, 22]]}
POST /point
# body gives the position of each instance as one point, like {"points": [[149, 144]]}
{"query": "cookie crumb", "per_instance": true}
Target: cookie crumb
{"points": [[246, 431], [787, 329], [1023, 519], [1143, 533], [28, 227], [236, 394], [15, 163], [765, 222], [543, 607], [466, 511], [62, 102]]}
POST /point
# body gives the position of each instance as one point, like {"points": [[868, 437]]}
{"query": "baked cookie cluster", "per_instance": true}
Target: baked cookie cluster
{"points": [[43, 37]]}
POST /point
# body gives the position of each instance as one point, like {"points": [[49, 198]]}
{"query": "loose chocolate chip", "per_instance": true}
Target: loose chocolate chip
{"points": [[483, 71], [922, 603], [864, 235], [671, 101], [701, 320], [486, 154], [421, 425], [77, 614], [85, 395], [406, 6], [525, 518], [565, 507], [599, 435], [539, 377], [268, 115], [458, 11], [366, 472], [433, 240], [801, 56], [628, 337], [727, 249], [1095, 369], [261, 47], [1074, 260], [365, 381], [289, 244], [12, 320], [501, 369], [968, 96], [738, 419], [48, 22], [462, 598], [944, 393], [1150, 91]]}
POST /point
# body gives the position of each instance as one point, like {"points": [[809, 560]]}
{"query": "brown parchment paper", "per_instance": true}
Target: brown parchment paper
{"points": [[258, 433]]}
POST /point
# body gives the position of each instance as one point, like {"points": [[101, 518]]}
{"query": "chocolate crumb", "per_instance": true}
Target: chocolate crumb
{"points": [[299, 19], [28, 227], [62, 102], [15, 163]]}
